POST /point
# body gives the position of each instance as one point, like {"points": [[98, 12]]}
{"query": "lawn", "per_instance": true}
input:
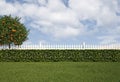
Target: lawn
{"points": [[59, 72]]}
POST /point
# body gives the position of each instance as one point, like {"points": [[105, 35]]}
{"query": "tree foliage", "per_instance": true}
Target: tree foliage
{"points": [[12, 31]]}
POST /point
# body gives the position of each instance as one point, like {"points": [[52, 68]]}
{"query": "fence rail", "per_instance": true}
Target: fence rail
{"points": [[65, 46]]}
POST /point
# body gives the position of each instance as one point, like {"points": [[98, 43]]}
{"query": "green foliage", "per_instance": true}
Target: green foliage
{"points": [[12, 31], [60, 55]]}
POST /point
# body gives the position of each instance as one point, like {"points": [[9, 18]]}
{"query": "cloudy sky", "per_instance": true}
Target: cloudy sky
{"points": [[67, 21]]}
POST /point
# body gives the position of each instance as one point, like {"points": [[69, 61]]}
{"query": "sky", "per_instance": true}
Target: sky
{"points": [[67, 21]]}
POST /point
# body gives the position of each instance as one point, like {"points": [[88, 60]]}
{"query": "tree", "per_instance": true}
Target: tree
{"points": [[12, 31]]}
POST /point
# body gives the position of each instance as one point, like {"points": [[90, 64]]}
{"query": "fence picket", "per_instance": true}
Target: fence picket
{"points": [[64, 46]]}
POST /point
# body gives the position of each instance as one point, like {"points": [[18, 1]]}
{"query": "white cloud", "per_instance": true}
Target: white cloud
{"points": [[100, 10], [67, 32], [56, 5], [28, 43], [55, 19], [108, 39], [42, 2], [6, 8]]}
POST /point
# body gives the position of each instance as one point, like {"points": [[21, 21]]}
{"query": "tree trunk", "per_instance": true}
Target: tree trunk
{"points": [[9, 46]]}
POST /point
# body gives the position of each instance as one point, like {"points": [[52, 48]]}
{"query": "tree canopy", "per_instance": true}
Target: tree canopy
{"points": [[12, 31]]}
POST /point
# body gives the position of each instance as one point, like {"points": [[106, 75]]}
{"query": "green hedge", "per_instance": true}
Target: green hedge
{"points": [[59, 55]]}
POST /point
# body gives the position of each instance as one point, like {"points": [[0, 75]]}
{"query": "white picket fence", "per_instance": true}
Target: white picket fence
{"points": [[64, 46]]}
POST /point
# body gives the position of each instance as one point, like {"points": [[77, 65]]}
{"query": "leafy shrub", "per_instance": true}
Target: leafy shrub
{"points": [[59, 55]]}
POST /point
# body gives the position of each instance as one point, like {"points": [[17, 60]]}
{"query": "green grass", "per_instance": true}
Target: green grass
{"points": [[59, 72]]}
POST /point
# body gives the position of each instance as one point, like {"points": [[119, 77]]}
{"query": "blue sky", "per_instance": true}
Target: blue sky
{"points": [[67, 21]]}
